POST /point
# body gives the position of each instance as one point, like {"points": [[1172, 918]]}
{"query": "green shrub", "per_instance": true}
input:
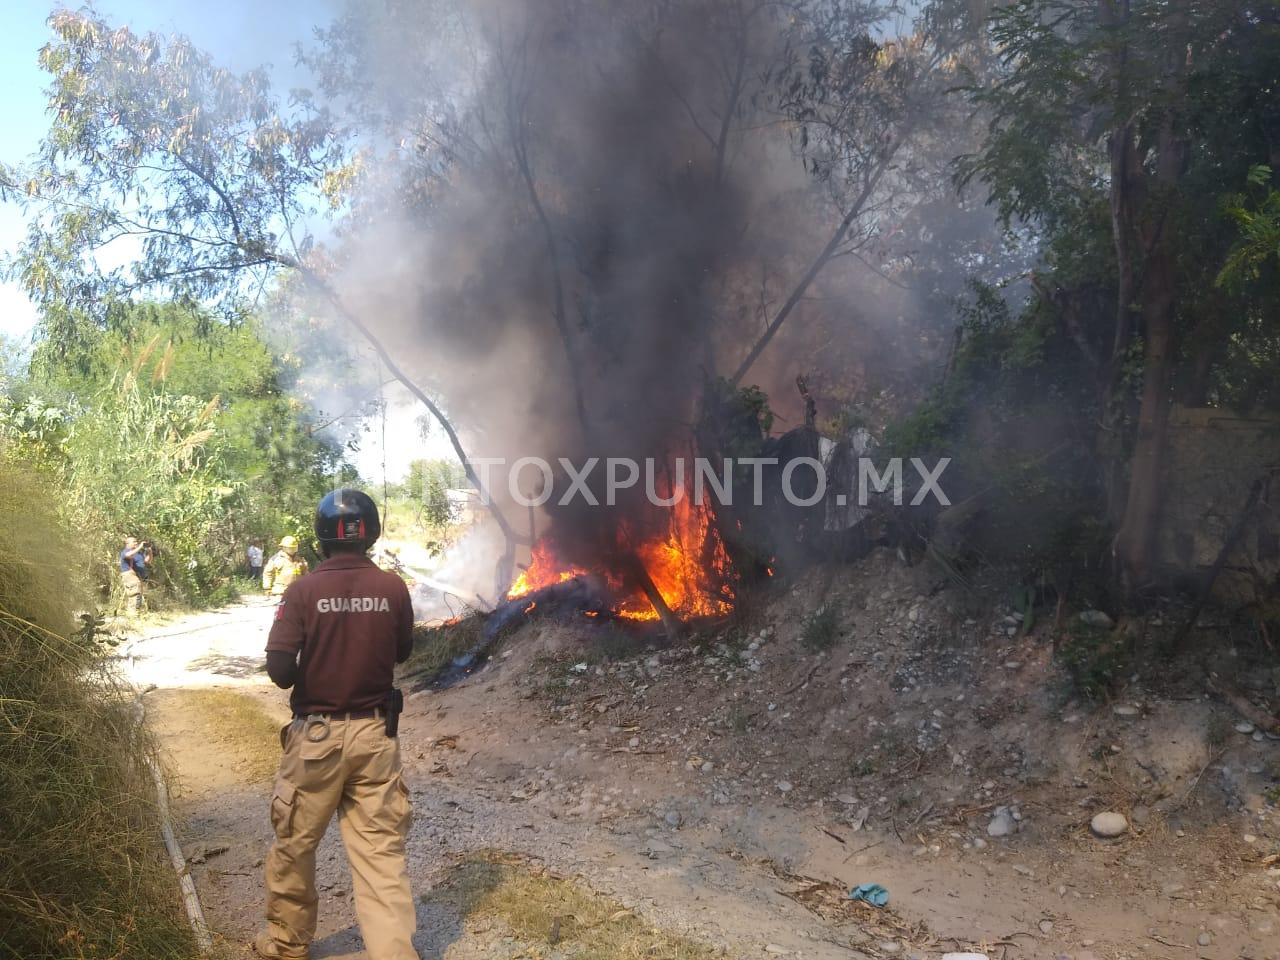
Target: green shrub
{"points": [[82, 872], [821, 629], [184, 438], [1096, 659]]}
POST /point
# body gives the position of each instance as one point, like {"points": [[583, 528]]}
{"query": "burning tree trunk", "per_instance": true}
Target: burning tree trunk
{"points": [[669, 621]]}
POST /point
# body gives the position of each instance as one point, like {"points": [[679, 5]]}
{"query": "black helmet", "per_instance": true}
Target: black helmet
{"points": [[348, 516]]}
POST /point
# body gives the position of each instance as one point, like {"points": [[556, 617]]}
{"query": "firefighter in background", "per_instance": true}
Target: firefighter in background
{"points": [[284, 568], [388, 559], [337, 636]]}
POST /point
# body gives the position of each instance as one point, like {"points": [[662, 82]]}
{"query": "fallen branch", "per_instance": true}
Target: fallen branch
{"points": [[1195, 781], [834, 836], [807, 677], [1244, 706], [862, 849]]}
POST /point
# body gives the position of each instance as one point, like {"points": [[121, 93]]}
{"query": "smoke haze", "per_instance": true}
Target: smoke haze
{"points": [[575, 215]]}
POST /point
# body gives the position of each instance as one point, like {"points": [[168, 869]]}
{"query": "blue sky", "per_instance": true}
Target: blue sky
{"points": [[240, 33]]}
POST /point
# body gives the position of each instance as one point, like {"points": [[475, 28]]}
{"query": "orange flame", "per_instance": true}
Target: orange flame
{"points": [[541, 572], [689, 567]]}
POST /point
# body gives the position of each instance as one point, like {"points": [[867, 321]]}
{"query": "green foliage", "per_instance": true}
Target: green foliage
{"points": [[142, 464], [426, 486], [1119, 138], [1000, 365], [151, 138], [1096, 659], [1258, 247], [1179, 98], [1013, 415], [994, 351], [735, 421], [81, 868], [821, 630], [177, 435]]}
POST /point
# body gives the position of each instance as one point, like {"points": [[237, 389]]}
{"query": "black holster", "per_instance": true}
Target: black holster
{"points": [[393, 706]]}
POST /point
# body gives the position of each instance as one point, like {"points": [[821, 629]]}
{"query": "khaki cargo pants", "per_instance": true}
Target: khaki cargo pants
{"points": [[133, 587], [352, 767]]}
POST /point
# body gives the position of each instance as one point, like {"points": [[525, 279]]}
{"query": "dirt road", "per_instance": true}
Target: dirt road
{"points": [[210, 649], [560, 825], [216, 714]]}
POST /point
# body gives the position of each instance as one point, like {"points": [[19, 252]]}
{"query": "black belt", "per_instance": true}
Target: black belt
{"points": [[344, 714]]}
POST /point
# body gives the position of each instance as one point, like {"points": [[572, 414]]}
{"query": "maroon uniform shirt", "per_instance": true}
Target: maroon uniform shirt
{"points": [[349, 623]]}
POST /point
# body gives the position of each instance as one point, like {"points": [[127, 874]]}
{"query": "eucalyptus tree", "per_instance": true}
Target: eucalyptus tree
{"points": [[219, 187]]}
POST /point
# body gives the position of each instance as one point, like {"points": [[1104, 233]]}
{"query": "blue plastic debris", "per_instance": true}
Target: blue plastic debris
{"points": [[871, 893]]}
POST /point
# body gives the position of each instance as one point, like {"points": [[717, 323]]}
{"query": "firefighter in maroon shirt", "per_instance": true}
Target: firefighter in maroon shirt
{"points": [[338, 634]]}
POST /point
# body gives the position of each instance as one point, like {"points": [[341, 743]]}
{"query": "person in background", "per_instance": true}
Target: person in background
{"points": [[284, 568], [134, 561], [254, 557]]}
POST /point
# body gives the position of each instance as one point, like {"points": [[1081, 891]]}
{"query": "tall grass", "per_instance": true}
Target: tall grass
{"points": [[81, 868]]}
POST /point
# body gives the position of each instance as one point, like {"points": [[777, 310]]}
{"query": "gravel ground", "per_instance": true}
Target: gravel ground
{"points": [[715, 796]]}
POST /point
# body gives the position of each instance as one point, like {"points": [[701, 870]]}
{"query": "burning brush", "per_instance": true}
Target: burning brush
{"points": [[679, 574]]}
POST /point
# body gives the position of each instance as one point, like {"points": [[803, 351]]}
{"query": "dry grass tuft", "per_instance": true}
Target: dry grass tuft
{"points": [[541, 909], [241, 726], [82, 873], [434, 648]]}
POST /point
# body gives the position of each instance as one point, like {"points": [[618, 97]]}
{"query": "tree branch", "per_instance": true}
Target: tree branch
{"points": [[318, 283], [520, 147], [721, 144], [816, 266]]}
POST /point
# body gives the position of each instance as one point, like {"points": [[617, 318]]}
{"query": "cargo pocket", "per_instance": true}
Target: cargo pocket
{"points": [[283, 800], [404, 806], [319, 740]]}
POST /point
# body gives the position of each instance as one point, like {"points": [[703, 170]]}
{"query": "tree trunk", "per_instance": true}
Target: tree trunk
{"points": [[1125, 191], [1135, 546], [1111, 439], [1136, 539], [670, 622]]}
